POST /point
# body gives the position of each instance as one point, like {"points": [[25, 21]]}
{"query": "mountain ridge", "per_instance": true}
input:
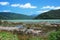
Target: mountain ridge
{"points": [[11, 16], [52, 14]]}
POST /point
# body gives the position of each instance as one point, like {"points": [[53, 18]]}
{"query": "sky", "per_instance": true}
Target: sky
{"points": [[29, 7]]}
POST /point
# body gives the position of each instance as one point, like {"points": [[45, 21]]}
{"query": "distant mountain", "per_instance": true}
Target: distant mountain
{"points": [[33, 15], [11, 16], [53, 14]]}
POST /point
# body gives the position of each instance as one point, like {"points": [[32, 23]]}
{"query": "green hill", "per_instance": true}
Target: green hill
{"points": [[11, 16], [53, 14]]}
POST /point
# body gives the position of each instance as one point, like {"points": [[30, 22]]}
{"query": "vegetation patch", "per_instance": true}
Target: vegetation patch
{"points": [[7, 36]]}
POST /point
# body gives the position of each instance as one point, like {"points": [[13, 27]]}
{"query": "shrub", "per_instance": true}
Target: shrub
{"points": [[54, 35]]}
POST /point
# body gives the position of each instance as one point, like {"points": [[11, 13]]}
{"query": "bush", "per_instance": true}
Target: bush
{"points": [[54, 35]]}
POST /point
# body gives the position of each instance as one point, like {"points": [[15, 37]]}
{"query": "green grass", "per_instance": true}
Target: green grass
{"points": [[7, 36]]}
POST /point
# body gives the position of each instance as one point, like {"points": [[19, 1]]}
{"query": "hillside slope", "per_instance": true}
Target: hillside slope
{"points": [[53, 14], [11, 16]]}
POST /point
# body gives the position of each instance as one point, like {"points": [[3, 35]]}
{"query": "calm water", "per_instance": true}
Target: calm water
{"points": [[34, 21]]}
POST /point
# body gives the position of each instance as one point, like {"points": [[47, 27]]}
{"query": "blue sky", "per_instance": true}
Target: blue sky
{"points": [[29, 7]]}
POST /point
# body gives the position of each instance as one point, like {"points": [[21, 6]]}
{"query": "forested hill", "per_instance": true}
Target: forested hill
{"points": [[11, 16], [52, 14]]}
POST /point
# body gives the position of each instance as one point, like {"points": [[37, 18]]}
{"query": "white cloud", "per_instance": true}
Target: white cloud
{"points": [[48, 7], [42, 11], [6, 11], [51, 7], [27, 5], [4, 3], [15, 5], [57, 8]]}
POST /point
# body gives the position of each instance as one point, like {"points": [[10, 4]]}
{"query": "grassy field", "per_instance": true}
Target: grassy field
{"points": [[7, 36]]}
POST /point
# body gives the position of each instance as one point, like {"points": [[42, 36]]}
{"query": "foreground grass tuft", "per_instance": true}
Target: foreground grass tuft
{"points": [[7, 36]]}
